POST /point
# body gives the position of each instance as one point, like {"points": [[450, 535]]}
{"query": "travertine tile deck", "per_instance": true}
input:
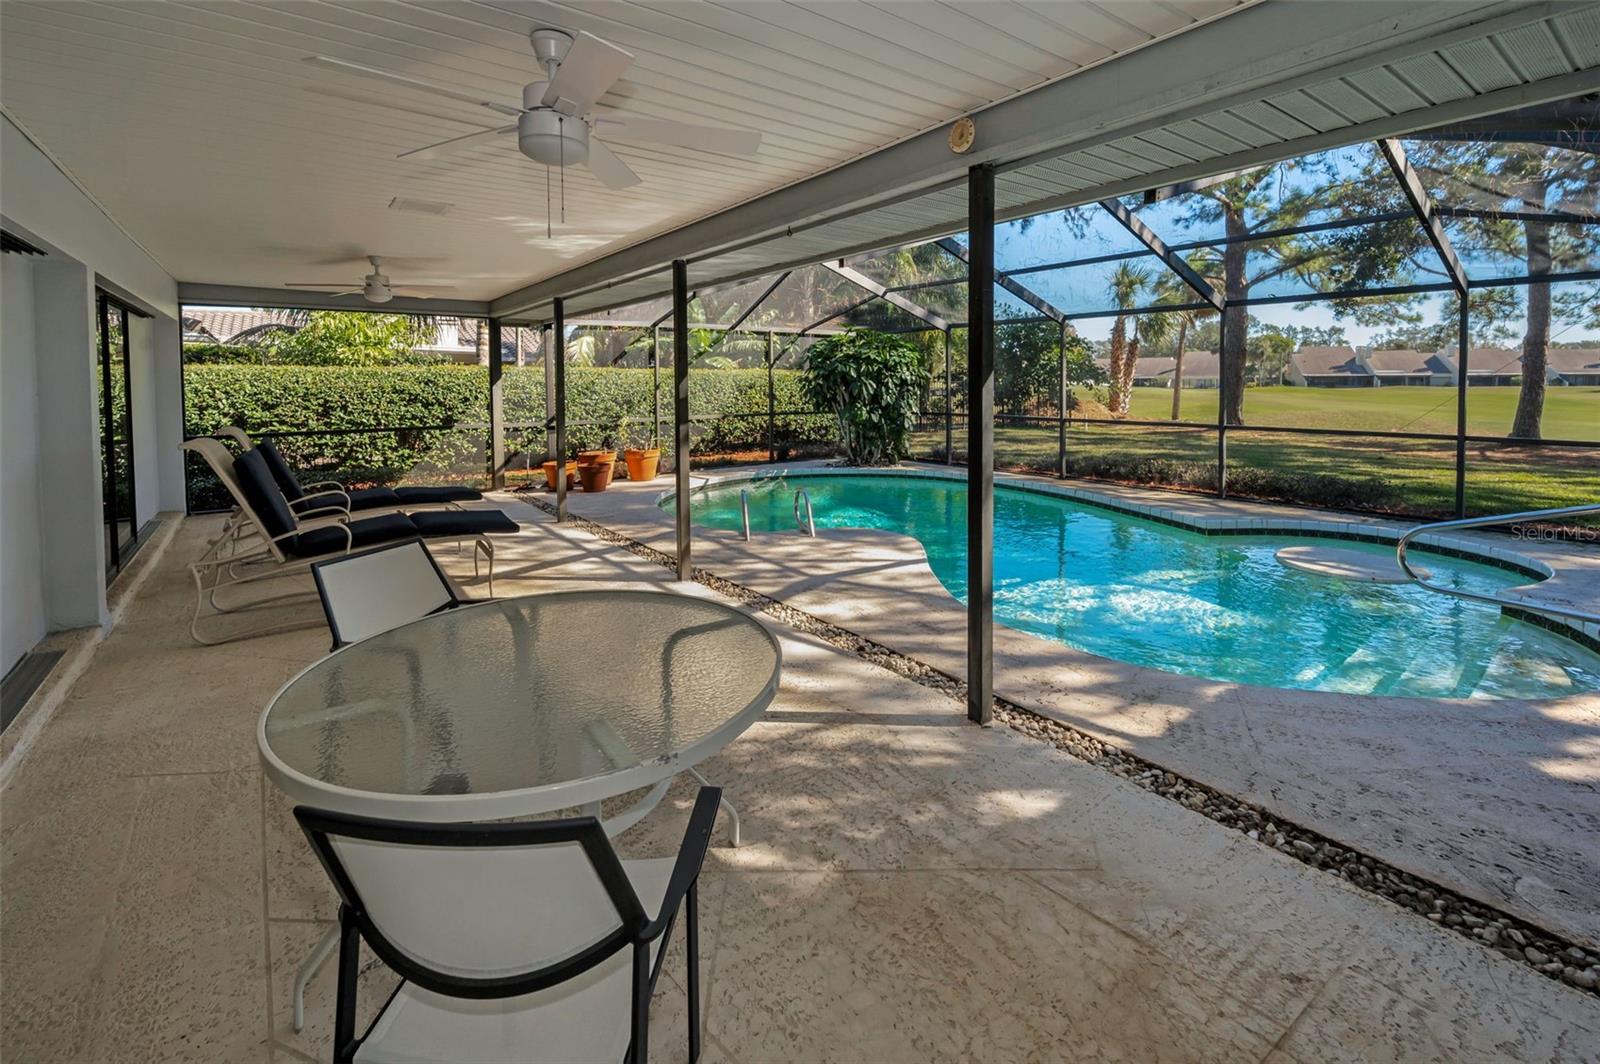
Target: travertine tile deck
{"points": [[1499, 800], [912, 888]]}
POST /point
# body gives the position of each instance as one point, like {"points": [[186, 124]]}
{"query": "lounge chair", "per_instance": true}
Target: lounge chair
{"points": [[330, 494], [268, 539]]}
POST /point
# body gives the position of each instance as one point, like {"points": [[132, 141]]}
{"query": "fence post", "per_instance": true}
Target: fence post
{"points": [[1222, 406], [497, 432], [655, 385], [980, 444], [772, 406], [949, 406], [1061, 409], [558, 355], [1462, 350]]}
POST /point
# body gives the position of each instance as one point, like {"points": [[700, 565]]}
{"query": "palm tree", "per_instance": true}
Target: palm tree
{"points": [[1127, 281], [1170, 288]]}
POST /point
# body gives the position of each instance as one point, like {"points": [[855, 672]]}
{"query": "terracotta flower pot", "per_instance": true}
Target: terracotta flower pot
{"points": [[596, 476], [590, 457], [642, 462], [550, 474]]}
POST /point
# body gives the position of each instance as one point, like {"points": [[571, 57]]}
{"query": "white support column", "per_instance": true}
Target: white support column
{"points": [[166, 401], [70, 519]]}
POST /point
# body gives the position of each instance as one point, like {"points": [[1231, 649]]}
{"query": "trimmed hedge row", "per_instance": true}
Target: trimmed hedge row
{"points": [[603, 405]]}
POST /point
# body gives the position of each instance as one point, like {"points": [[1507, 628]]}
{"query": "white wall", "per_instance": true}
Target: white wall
{"points": [[22, 623], [53, 545]]}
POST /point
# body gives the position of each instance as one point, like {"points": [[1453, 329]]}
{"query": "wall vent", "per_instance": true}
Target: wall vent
{"points": [[419, 206]]}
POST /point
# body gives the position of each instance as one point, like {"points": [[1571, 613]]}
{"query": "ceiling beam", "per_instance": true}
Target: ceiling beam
{"points": [[894, 299], [1422, 203], [1249, 52], [227, 295], [1016, 288], [1174, 261]]}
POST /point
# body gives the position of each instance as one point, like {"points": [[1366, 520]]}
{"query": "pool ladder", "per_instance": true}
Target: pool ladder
{"points": [[1513, 602], [808, 525]]}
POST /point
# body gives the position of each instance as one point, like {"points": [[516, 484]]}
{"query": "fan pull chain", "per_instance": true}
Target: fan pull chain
{"points": [[561, 128], [547, 201]]}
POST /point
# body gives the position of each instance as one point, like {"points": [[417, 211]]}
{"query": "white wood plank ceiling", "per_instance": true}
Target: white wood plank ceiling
{"points": [[200, 130], [1554, 44]]}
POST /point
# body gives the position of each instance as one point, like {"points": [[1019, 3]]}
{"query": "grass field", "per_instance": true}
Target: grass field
{"points": [[1411, 477], [1569, 413]]}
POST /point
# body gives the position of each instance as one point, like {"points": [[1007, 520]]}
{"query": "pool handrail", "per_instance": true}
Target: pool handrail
{"points": [[1484, 522], [809, 525], [744, 512]]}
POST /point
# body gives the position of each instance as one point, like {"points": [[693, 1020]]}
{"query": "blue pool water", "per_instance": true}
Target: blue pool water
{"points": [[1220, 607]]}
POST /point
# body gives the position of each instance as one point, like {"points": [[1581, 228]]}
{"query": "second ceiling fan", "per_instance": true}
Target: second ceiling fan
{"points": [[557, 124]]}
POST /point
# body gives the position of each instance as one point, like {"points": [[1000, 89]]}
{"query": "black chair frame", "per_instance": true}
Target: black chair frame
{"points": [[636, 928]]}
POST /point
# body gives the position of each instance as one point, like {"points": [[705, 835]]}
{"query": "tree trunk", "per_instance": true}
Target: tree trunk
{"points": [[1536, 341], [1177, 367], [1130, 366], [1235, 321], [1119, 352]]}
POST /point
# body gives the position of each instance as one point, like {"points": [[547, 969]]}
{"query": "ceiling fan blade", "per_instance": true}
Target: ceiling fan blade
{"points": [[312, 284], [679, 134], [344, 66], [329, 289], [590, 68], [445, 147], [423, 287], [612, 171]]}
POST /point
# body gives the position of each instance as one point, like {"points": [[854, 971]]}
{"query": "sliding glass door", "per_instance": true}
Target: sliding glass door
{"points": [[116, 434]]}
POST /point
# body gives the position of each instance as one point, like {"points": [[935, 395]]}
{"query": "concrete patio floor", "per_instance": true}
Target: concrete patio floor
{"points": [[911, 888], [1499, 800]]}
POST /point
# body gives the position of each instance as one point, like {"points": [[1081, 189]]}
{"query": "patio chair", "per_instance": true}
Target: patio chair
{"points": [[269, 540], [514, 941], [332, 494], [372, 591]]}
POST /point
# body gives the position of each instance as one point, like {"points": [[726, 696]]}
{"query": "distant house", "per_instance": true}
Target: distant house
{"points": [[1328, 367], [1486, 367], [1199, 370], [1405, 367], [1573, 365], [202, 326]]}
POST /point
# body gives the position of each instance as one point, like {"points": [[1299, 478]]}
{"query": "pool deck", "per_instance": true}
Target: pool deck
{"points": [[1499, 800]]}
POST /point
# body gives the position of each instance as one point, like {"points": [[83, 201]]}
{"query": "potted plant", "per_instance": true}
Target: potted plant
{"points": [[550, 474], [596, 475], [643, 462], [607, 450]]}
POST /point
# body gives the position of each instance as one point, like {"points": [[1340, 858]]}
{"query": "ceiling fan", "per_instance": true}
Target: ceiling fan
{"points": [[557, 124], [375, 286]]}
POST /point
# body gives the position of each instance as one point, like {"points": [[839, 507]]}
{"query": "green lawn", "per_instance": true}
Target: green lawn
{"points": [[1411, 477], [1569, 413]]}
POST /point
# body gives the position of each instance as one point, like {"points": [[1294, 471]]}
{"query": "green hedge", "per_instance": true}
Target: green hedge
{"points": [[602, 404]]}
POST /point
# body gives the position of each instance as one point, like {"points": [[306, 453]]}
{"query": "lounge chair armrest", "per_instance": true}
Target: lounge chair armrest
{"points": [[323, 485], [295, 504], [335, 510], [691, 855]]}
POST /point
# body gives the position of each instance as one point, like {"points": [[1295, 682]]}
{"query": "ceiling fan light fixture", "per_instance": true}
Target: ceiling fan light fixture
{"points": [[376, 290], [551, 138]]}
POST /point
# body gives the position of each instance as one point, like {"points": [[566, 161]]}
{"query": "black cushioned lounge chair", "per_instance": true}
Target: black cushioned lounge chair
{"points": [[271, 540]]}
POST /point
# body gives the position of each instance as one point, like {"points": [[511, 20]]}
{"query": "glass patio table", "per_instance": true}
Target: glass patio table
{"points": [[521, 706], [517, 707]]}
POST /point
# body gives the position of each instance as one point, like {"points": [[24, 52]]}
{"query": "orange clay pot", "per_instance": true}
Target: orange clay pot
{"points": [[550, 474], [596, 476], [642, 463]]}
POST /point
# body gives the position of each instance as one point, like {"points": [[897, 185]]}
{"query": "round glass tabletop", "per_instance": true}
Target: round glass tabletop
{"points": [[520, 706]]}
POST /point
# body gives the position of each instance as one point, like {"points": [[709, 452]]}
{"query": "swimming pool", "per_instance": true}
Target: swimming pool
{"points": [[1221, 607]]}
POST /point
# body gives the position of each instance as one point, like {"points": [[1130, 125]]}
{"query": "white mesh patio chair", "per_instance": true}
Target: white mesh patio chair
{"points": [[529, 942], [372, 591]]}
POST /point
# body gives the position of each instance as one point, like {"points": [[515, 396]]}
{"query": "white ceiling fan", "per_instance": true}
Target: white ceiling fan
{"points": [[375, 286], [557, 124]]}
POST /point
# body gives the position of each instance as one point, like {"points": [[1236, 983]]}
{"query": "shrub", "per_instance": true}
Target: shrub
{"points": [[872, 382], [604, 406]]}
